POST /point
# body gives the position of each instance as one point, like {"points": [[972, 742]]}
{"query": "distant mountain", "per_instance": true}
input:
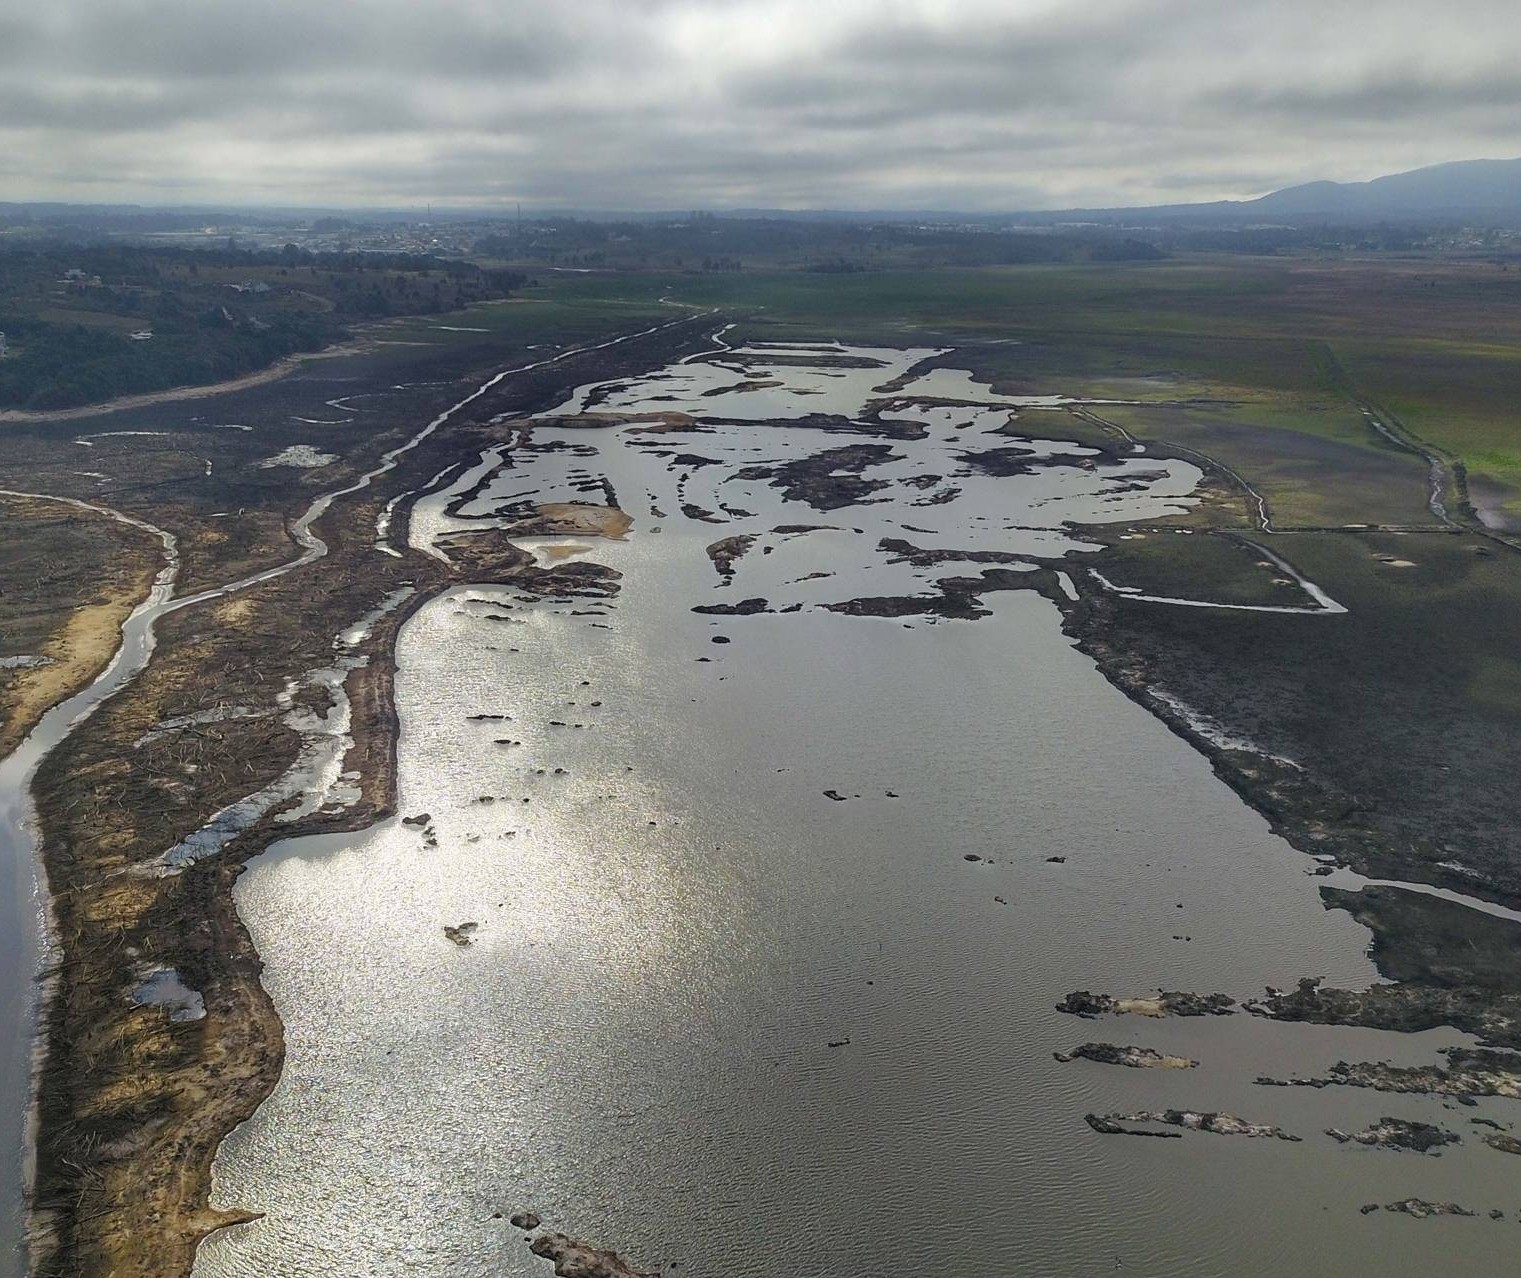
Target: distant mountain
{"points": [[1488, 191], [1462, 186]]}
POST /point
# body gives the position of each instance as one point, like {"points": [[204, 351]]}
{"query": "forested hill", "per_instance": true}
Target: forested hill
{"points": [[87, 324]]}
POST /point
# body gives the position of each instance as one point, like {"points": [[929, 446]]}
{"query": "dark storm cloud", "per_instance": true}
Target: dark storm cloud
{"points": [[1396, 91], [675, 103]]}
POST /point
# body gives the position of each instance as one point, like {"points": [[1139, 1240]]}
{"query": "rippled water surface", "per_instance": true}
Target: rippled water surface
{"points": [[713, 1016]]}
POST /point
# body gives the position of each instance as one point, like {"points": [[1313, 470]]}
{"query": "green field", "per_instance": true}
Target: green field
{"points": [[1252, 348], [1271, 345]]}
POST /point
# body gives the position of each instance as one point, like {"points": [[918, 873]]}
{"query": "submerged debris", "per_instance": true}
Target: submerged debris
{"points": [[461, 933]]}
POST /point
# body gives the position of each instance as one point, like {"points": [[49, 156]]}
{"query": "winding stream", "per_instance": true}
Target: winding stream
{"points": [[23, 924]]}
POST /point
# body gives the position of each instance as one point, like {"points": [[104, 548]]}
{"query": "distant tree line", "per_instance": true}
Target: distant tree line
{"points": [[709, 243], [89, 323]]}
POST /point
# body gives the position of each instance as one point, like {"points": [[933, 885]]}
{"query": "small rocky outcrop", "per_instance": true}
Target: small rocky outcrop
{"points": [[1420, 1208], [1469, 1072], [1003, 462], [1402, 1007], [899, 550], [1130, 1057], [1398, 1133], [744, 608], [1189, 1120], [726, 551], [827, 480], [1162, 1003], [574, 1258]]}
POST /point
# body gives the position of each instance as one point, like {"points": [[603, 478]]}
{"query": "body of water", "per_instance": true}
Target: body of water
{"points": [[736, 994]]}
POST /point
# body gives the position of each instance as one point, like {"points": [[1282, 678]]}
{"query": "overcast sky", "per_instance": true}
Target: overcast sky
{"points": [[650, 104]]}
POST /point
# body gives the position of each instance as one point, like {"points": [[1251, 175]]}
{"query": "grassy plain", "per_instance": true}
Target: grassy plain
{"points": [[1438, 343]]}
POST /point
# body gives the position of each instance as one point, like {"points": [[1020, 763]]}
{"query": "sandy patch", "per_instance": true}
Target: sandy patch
{"points": [[301, 456], [233, 612], [79, 651], [563, 550], [1140, 1006], [584, 520]]}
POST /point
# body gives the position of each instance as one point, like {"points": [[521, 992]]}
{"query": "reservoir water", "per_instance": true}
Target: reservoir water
{"points": [[736, 997]]}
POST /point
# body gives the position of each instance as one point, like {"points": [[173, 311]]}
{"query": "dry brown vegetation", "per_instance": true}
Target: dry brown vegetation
{"points": [[70, 578]]}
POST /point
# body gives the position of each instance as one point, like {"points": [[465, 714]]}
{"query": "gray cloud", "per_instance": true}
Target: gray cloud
{"points": [[977, 104]]}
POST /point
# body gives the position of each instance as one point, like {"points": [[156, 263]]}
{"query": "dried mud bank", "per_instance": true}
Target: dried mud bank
{"points": [[293, 672]]}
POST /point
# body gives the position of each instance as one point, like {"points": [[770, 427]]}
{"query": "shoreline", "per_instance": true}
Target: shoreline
{"points": [[131, 1107], [253, 1053], [40, 990], [258, 1053]]}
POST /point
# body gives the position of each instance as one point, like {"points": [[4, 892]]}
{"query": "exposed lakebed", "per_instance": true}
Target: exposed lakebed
{"points": [[746, 954]]}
